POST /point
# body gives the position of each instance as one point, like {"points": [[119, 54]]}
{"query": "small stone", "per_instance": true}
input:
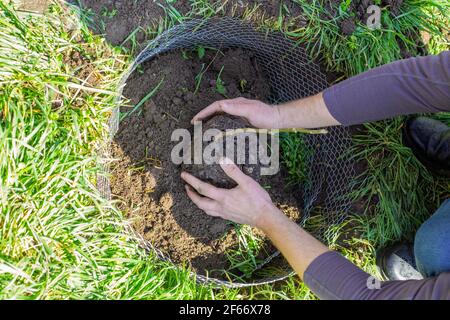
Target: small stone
{"points": [[177, 101], [189, 96]]}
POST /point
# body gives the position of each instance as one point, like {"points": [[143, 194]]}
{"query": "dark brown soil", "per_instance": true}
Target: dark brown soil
{"points": [[348, 26], [118, 18], [213, 173], [147, 181]]}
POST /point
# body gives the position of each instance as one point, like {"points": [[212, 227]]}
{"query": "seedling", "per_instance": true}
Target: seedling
{"points": [[220, 85], [199, 78], [345, 5], [243, 85], [200, 52], [109, 13], [139, 105]]}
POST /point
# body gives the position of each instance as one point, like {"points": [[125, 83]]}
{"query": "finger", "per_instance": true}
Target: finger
{"points": [[233, 171], [201, 187], [203, 203], [208, 111], [213, 213], [227, 106]]}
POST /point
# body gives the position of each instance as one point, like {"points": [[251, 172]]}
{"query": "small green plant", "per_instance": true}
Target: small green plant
{"points": [[243, 85], [201, 52], [199, 78], [109, 13], [143, 100], [345, 5], [220, 85]]}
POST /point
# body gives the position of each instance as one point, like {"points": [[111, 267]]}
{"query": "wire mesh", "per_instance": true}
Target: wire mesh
{"points": [[291, 75]]}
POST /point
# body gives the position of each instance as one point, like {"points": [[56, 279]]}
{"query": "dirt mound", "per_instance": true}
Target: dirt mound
{"points": [[149, 183], [213, 173]]}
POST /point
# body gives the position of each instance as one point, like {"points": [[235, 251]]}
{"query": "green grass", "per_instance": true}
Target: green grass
{"points": [[60, 239], [244, 259], [405, 192], [365, 48], [294, 155]]}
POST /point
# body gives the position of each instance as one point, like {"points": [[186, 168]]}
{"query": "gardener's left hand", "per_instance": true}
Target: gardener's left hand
{"points": [[248, 203]]}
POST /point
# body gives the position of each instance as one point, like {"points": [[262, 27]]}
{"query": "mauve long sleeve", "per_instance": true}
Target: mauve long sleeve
{"points": [[332, 277], [415, 85]]}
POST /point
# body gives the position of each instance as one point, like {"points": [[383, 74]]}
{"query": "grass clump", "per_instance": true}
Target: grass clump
{"points": [[399, 192], [59, 239], [295, 156], [364, 49], [245, 258]]}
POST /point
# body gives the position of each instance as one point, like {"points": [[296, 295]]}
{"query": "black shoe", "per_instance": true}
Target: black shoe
{"points": [[398, 263], [429, 140]]}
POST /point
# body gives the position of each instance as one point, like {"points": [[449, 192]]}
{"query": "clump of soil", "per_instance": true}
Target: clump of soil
{"points": [[348, 26], [147, 181], [213, 173]]}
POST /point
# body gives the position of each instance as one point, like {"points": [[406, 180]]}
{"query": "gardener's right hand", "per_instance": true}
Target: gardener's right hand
{"points": [[247, 203], [257, 113]]}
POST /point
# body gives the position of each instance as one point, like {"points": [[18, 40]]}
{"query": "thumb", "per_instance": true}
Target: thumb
{"points": [[233, 171], [227, 106]]}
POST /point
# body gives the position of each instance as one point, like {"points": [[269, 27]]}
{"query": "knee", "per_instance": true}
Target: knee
{"points": [[432, 246]]}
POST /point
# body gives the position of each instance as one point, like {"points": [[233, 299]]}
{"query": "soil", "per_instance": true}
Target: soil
{"points": [[348, 26], [213, 173], [118, 18], [147, 181]]}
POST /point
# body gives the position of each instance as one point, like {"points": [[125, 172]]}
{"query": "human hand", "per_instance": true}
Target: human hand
{"points": [[248, 203], [257, 113]]}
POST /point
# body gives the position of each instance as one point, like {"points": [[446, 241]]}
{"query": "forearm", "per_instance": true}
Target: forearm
{"points": [[297, 246], [331, 276], [416, 85], [310, 112]]}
